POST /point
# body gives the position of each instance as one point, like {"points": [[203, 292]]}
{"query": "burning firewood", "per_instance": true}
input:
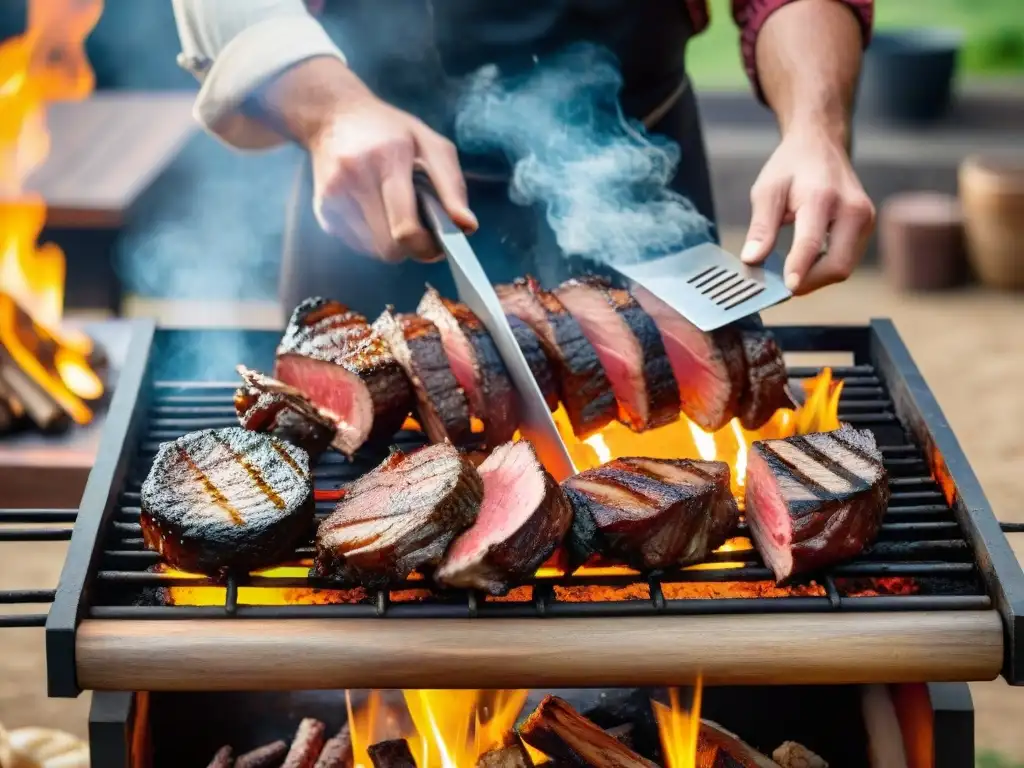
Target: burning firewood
{"points": [[306, 746], [562, 733], [718, 748], [511, 755], [337, 751], [267, 756], [391, 754], [789, 754], [223, 758]]}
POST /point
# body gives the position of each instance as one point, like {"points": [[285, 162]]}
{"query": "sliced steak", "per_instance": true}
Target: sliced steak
{"points": [[536, 358], [766, 388], [583, 386], [709, 367], [227, 500], [441, 405], [333, 357], [400, 516], [815, 500], [630, 350], [477, 365], [523, 518], [650, 513], [267, 405]]}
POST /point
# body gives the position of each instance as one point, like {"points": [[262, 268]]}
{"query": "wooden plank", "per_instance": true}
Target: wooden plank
{"points": [[300, 654], [106, 151]]}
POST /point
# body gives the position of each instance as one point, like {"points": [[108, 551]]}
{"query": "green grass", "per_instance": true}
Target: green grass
{"points": [[993, 37], [992, 760]]}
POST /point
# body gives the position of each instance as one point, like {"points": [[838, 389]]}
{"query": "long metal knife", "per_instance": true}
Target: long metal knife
{"points": [[477, 293]]}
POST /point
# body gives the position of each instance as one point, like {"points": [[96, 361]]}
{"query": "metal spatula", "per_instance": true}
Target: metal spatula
{"points": [[708, 285]]}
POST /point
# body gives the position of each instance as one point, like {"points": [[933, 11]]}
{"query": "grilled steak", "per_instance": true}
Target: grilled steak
{"points": [[630, 350], [264, 404], [583, 386], [650, 513], [523, 519], [227, 500], [709, 367], [765, 390], [441, 405], [477, 365], [398, 517], [815, 500], [332, 355], [536, 358]]}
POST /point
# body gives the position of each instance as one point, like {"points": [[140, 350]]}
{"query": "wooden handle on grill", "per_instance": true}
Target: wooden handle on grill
{"points": [[296, 654]]}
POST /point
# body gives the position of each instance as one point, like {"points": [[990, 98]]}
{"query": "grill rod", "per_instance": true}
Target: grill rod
{"points": [[35, 518]]}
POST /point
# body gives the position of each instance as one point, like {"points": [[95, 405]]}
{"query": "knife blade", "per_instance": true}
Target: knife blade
{"points": [[477, 293]]}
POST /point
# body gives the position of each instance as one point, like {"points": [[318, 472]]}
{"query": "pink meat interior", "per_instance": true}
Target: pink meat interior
{"points": [[339, 393], [513, 489], [460, 356], [768, 516], [615, 344]]}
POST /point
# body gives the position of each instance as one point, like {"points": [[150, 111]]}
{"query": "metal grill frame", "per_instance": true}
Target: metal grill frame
{"points": [[877, 344]]}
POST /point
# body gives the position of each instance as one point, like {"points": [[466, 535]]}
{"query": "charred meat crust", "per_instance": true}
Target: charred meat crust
{"points": [[441, 404], [399, 517], [227, 500], [264, 404], [496, 566], [537, 359], [583, 386], [766, 379], [330, 333], [659, 399], [492, 397], [650, 513], [835, 489]]}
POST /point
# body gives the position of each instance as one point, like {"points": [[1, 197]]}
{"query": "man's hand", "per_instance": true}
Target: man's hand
{"points": [[364, 152], [809, 182]]}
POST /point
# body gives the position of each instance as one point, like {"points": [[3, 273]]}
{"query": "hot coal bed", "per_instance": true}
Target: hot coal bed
{"points": [[939, 596]]}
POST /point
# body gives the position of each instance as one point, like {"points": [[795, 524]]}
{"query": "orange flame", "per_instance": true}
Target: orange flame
{"points": [[47, 63], [679, 728]]}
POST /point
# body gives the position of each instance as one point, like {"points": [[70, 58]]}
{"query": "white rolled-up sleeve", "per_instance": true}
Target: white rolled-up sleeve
{"points": [[235, 46]]}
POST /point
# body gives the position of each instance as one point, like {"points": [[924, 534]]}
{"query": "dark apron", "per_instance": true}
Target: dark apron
{"points": [[513, 240]]}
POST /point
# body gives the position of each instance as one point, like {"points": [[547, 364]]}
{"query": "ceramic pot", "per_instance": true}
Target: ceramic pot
{"points": [[920, 239], [992, 196], [907, 75]]}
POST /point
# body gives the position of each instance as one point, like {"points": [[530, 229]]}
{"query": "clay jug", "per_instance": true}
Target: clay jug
{"points": [[992, 197]]}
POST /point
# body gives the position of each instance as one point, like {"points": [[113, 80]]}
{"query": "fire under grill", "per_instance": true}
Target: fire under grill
{"points": [[938, 596]]}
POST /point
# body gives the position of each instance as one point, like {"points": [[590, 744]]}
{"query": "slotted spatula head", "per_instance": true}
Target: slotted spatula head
{"points": [[708, 285]]}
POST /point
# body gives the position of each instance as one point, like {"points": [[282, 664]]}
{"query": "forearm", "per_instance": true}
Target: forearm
{"points": [[808, 57]]}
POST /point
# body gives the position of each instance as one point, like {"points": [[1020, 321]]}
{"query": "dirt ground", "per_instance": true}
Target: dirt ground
{"points": [[966, 344]]}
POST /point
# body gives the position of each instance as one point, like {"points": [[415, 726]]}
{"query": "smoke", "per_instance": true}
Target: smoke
{"points": [[602, 180]]}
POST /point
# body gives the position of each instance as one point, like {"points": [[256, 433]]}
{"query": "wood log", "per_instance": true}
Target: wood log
{"points": [[512, 755], [6, 416], [562, 733], [307, 744], [337, 751], [391, 754], [222, 759], [718, 748], [267, 756], [885, 738], [790, 754], [40, 407]]}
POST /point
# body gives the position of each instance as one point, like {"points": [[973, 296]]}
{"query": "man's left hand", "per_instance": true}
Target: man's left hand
{"points": [[809, 182]]}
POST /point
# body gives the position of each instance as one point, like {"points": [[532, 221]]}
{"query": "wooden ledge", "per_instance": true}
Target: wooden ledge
{"points": [[298, 654]]}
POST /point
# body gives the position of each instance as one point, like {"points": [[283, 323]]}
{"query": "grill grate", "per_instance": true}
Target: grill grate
{"points": [[920, 539]]}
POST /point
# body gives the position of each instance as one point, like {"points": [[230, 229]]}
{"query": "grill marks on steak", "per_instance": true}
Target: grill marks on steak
{"points": [[333, 356], [630, 349], [525, 515], [536, 359], [400, 516], [227, 499], [583, 385], [815, 500], [650, 513], [765, 389], [477, 365], [709, 368], [264, 404], [441, 405]]}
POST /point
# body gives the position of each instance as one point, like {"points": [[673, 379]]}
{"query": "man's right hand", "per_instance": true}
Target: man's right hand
{"points": [[364, 152]]}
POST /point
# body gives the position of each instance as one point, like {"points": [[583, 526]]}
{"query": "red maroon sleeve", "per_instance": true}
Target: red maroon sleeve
{"points": [[751, 15]]}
